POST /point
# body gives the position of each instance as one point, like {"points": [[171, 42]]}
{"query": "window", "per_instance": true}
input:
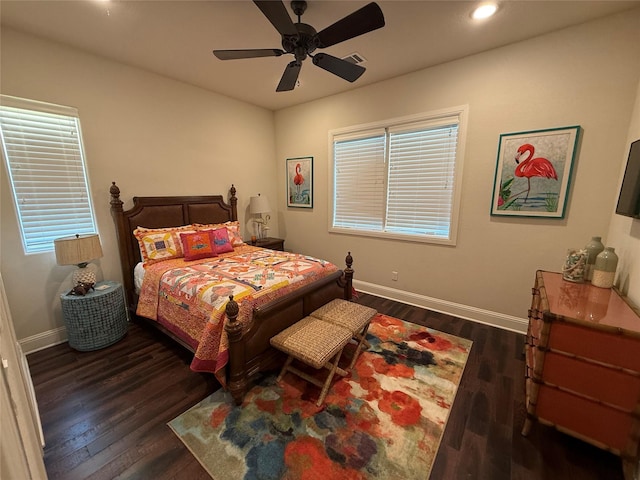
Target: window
{"points": [[42, 148], [399, 179]]}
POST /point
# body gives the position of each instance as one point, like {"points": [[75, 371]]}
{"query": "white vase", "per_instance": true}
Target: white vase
{"points": [[605, 268]]}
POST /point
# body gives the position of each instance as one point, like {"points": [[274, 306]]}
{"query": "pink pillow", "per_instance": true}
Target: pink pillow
{"points": [[221, 240], [198, 245], [233, 228]]}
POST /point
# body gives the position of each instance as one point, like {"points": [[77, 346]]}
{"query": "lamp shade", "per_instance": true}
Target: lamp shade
{"points": [[259, 204], [78, 249]]}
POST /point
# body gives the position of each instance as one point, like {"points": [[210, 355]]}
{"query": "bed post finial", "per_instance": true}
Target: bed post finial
{"points": [[349, 261], [233, 201], [234, 329], [232, 309], [348, 277], [116, 203]]}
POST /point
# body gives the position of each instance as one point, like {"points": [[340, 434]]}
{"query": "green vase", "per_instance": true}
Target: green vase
{"points": [[593, 248], [605, 268]]}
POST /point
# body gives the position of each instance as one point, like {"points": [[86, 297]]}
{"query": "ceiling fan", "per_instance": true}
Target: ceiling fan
{"points": [[301, 40]]}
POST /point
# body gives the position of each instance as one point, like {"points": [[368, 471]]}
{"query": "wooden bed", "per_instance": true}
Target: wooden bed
{"points": [[249, 350]]}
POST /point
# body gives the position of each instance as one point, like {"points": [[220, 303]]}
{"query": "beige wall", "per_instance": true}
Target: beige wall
{"points": [[150, 134], [586, 75], [156, 136], [624, 232]]}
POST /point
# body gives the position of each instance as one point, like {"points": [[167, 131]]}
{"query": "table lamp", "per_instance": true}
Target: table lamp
{"points": [[258, 206], [79, 250]]}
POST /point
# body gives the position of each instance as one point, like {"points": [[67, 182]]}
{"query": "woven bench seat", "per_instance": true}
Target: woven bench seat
{"points": [[315, 343], [317, 339], [349, 315]]}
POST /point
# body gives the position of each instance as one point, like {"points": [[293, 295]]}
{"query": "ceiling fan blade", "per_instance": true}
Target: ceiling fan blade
{"points": [[254, 53], [361, 21], [289, 77], [277, 14], [347, 70]]}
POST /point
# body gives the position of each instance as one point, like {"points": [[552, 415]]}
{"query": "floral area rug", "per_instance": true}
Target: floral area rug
{"points": [[383, 421]]}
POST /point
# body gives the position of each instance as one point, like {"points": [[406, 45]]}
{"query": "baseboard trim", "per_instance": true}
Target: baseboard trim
{"points": [[43, 340], [59, 335], [487, 317]]}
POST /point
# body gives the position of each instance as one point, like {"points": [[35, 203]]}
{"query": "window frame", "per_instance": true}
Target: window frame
{"points": [[30, 245], [461, 112]]}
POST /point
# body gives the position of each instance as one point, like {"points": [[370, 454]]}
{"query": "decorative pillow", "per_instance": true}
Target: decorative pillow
{"points": [[221, 240], [233, 228], [157, 244], [198, 245], [234, 233]]}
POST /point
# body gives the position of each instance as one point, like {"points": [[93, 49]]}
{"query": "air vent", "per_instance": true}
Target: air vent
{"points": [[355, 58]]}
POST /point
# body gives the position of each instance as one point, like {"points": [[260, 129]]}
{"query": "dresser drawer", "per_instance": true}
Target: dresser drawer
{"points": [[596, 422], [600, 346], [610, 386]]}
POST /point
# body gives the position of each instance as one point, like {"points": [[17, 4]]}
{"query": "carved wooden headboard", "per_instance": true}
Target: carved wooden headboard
{"points": [[156, 212]]}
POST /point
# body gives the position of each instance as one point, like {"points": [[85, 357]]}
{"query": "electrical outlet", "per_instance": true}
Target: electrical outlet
{"points": [[394, 276]]}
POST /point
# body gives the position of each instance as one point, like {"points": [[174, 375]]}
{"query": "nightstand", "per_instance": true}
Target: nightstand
{"points": [[272, 243], [97, 319]]}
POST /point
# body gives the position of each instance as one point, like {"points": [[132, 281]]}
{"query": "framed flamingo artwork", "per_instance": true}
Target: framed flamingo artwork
{"points": [[533, 172], [300, 182]]}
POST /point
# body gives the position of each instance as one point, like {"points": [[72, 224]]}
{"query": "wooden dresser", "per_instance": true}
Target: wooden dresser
{"points": [[583, 365]]}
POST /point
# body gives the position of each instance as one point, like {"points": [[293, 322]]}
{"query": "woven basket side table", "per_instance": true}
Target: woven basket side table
{"points": [[97, 319]]}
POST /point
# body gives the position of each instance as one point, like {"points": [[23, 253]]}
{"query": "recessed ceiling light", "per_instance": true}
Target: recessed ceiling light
{"points": [[484, 11]]}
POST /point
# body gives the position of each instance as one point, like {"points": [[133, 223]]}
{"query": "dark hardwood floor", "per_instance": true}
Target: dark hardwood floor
{"points": [[104, 413]]}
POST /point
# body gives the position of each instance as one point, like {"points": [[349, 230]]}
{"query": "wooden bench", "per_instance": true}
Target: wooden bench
{"points": [[319, 339], [352, 316]]}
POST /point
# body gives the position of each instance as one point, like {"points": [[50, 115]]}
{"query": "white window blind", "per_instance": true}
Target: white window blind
{"points": [[360, 181], [42, 147], [399, 180], [421, 170]]}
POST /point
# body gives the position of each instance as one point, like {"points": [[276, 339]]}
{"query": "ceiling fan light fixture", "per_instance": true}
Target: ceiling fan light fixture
{"points": [[484, 11], [301, 40]]}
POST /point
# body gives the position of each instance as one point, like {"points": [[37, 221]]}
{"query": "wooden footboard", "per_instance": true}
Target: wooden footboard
{"points": [[249, 349]]}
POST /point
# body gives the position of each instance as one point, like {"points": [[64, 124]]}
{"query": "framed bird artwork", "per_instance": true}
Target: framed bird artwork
{"points": [[533, 172], [300, 182]]}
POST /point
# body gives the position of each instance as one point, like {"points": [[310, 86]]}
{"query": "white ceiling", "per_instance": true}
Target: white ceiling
{"points": [[176, 38]]}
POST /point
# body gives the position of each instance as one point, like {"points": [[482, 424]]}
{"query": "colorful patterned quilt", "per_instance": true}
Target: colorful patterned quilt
{"points": [[189, 298]]}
